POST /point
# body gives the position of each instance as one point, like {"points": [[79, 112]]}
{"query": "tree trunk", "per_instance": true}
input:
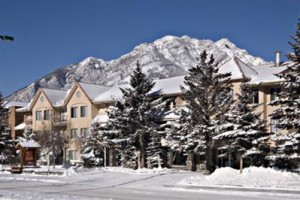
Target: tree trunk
{"points": [[142, 159], [208, 156]]}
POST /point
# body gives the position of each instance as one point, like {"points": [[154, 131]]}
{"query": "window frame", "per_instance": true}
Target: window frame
{"points": [[46, 115], [74, 111], [72, 154], [38, 115], [83, 111], [74, 133]]}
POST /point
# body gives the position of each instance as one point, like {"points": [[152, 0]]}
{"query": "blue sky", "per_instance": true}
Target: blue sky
{"points": [[52, 34]]}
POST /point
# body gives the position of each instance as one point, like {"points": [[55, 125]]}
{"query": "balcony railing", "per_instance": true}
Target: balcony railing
{"points": [[60, 119]]}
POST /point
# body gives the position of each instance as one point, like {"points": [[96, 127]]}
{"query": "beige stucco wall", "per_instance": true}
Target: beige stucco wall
{"points": [[75, 101], [102, 108], [79, 122], [236, 88], [41, 104]]}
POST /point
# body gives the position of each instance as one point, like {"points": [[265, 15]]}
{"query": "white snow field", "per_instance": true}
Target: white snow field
{"points": [[112, 183]]}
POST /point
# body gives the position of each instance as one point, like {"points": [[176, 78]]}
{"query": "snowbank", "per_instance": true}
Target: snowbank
{"points": [[138, 171], [250, 177]]}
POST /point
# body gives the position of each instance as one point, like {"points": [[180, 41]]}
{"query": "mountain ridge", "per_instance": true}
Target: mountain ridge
{"points": [[165, 57]]}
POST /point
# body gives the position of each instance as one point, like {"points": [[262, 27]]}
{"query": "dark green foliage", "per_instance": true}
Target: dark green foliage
{"points": [[208, 96], [287, 153]]}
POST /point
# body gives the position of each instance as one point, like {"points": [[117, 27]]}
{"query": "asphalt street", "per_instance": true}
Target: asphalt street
{"points": [[111, 186]]}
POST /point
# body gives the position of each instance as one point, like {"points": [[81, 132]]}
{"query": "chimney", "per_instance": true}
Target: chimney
{"points": [[277, 58]]}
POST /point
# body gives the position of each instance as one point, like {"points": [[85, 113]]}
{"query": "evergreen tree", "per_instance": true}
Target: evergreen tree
{"points": [[242, 130], [7, 150], [3, 117], [208, 96], [288, 114], [93, 148], [132, 121]]}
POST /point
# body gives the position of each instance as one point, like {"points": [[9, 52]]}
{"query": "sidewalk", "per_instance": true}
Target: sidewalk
{"points": [[236, 188]]}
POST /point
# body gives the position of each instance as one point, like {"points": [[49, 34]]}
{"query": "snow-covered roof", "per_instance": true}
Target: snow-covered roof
{"points": [[165, 86], [266, 74], [20, 126], [29, 144], [168, 85], [237, 68], [56, 97], [93, 90], [24, 108], [111, 93], [9, 104]]}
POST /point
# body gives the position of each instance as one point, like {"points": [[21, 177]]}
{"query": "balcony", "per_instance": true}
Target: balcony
{"points": [[60, 119]]}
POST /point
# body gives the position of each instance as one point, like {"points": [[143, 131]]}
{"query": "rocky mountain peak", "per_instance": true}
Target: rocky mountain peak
{"points": [[165, 57]]}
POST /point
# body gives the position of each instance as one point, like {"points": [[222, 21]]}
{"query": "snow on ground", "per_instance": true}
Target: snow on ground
{"points": [[250, 177], [75, 182], [138, 171]]}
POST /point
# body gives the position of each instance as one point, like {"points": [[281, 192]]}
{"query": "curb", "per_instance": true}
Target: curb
{"points": [[235, 188]]}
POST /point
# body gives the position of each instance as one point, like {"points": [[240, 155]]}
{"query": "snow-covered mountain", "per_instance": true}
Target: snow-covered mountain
{"points": [[166, 57]]}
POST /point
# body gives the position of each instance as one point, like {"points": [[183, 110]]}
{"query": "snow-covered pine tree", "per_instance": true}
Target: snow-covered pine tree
{"points": [[208, 96], [288, 113], [132, 121], [7, 151], [93, 148], [242, 131], [175, 132]]}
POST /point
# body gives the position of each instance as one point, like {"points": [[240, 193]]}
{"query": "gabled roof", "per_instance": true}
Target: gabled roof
{"points": [[90, 90], [93, 90], [168, 86], [237, 68], [55, 97], [28, 144], [266, 74], [110, 94]]}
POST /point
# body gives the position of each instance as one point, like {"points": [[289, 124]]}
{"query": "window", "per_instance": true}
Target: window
{"points": [[73, 154], [38, 115], [78, 94], [73, 133], [73, 112], [83, 111], [83, 133], [274, 93], [255, 96], [46, 114]]}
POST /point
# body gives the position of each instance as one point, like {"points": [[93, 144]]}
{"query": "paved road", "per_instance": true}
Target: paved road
{"points": [[111, 186]]}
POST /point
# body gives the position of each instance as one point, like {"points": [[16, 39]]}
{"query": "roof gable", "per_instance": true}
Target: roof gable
{"points": [[54, 97], [237, 68]]}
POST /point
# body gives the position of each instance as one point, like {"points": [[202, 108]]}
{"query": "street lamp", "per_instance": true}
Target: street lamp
{"points": [[6, 38]]}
